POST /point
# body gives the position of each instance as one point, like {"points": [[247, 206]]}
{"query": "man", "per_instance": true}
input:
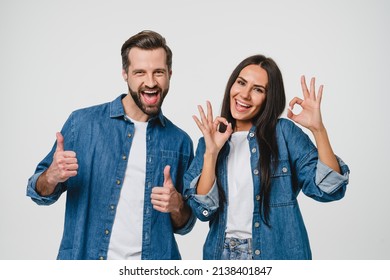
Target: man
{"points": [[122, 166]]}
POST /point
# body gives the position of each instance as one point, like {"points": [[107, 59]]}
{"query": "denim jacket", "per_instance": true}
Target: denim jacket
{"points": [[101, 136], [298, 169]]}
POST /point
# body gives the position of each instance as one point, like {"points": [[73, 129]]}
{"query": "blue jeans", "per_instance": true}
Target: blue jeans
{"points": [[237, 249]]}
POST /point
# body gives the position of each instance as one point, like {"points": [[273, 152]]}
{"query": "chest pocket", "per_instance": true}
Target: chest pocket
{"points": [[283, 169], [176, 161], [282, 193]]}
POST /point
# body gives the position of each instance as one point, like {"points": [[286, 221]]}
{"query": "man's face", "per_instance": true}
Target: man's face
{"points": [[148, 79]]}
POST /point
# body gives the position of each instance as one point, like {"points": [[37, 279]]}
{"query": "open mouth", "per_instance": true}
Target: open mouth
{"points": [[150, 97], [242, 106]]}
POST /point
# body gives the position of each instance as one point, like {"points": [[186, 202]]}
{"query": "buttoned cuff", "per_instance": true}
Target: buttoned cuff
{"points": [[209, 200]]}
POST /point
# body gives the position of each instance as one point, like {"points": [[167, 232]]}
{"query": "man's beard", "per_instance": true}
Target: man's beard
{"points": [[147, 109]]}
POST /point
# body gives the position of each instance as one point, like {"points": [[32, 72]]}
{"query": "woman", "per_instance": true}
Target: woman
{"points": [[250, 166]]}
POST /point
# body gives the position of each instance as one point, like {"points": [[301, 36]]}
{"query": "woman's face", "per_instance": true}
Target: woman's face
{"points": [[247, 95]]}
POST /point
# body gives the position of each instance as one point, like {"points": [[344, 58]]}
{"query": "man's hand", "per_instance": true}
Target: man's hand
{"points": [[167, 200], [63, 167]]}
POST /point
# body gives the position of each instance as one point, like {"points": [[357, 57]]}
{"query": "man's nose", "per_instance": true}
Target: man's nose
{"points": [[150, 81]]}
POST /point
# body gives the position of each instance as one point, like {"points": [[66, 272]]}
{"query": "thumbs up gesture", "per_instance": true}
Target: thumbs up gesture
{"points": [[63, 167], [166, 199], [64, 163]]}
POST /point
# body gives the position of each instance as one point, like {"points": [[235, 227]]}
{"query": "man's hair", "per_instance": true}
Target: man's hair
{"points": [[146, 40]]}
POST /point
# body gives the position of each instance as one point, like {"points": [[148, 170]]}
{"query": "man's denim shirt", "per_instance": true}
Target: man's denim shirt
{"points": [[298, 169], [101, 136]]}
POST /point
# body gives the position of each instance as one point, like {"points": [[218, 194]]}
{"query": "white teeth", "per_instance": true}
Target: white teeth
{"points": [[242, 104], [150, 92]]}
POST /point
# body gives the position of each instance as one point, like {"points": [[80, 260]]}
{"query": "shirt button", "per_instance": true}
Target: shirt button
{"points": [[118, 182], [129, 135], [255, 171], [101, 258], [112, 207], [124, 157], [257, 197], [106, 231], [251, 134], [254, 150], [284, 169], [257, 252], [257, 224], [205, 213]]}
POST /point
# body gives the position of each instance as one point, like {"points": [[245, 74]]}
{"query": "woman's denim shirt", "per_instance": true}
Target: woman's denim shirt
{"points": [[101, 136], [298, 169]]}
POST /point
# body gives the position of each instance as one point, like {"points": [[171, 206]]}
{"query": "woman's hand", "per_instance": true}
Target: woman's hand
{"points": [[310, 116], [209, 128]]}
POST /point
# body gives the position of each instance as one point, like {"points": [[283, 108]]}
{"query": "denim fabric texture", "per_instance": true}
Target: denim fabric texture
{"points": [[237, 249], [101, 136], [298, 169]]}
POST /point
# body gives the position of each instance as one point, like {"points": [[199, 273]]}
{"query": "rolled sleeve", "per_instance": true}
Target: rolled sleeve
{"points": [[187, 227], [203, 205], [37, 198], [328, 180], [209, 200]]}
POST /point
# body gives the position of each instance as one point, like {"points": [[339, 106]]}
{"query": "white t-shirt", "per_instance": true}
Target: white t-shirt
{"points": [[240, 188], [126, 235]]}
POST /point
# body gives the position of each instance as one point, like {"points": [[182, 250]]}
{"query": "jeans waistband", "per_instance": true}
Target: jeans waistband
{"points": [[233, 242]]}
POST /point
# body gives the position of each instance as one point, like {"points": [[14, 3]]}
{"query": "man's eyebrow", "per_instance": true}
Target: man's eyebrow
{"points": [[160, 69], [137, 70]]}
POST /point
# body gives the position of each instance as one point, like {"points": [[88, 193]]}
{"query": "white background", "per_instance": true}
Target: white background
{"points": [[58, 56]]}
